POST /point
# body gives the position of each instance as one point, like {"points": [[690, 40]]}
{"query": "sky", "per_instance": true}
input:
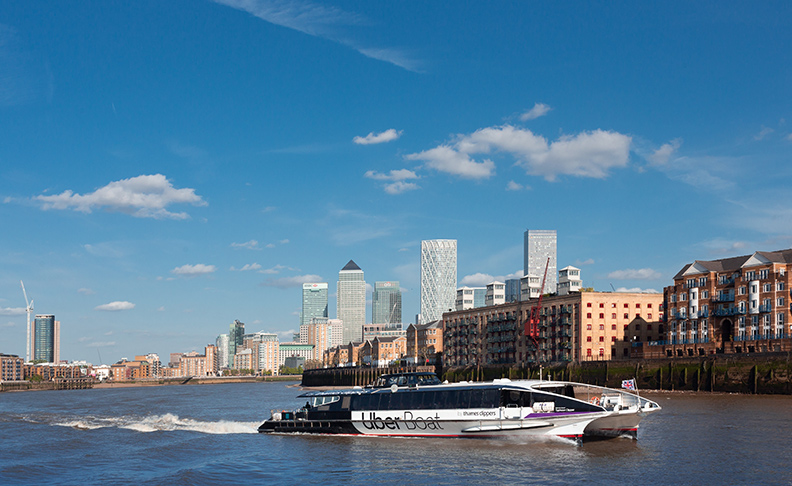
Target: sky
{"points": [[168, 167]]}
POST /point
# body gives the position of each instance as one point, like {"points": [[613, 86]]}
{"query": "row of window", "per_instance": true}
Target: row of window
{"points": [[626, 306], [626, 327], [613, 316]]}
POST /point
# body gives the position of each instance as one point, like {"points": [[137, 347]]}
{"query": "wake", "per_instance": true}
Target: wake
{"points": [[160, 423]]}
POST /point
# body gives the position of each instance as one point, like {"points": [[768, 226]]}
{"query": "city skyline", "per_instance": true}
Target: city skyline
{"points": [[168, 167]]}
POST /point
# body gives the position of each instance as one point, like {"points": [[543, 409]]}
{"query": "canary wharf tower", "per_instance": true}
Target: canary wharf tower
{"points": [[438, 278], [352, 302]]}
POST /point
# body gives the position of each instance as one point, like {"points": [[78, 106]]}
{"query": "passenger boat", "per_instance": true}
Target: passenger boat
{"points": [[419, 405]]}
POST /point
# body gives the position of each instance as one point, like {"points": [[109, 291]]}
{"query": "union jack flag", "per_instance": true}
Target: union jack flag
{"points": [[628, 384]]}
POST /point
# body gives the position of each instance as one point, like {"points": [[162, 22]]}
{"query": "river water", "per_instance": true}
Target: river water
{"points": [[206, 434]]}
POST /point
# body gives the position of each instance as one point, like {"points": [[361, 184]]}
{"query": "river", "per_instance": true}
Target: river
{"points": [[206, 434]]}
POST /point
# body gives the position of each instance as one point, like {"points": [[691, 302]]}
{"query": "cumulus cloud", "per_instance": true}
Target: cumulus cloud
{"points": [[589, 261], [382, 137], [587, 154], [145, 196], [248, 245], [539, 109], [633, 274], [482, 279], [789, 137], [115, 306], [247, 267], [398, 178], [86, 291], [637, 290], [515, 186], [193, 270], [664, 153], [101, 344], [447, 159], [283, 242], [12, 311], [288, 282]]}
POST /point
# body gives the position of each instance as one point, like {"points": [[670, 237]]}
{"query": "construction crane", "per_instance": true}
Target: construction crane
{"points": [[29, 309], [532, 324]]}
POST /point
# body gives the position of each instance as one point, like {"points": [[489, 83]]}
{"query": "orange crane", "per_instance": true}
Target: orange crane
{"points": [[532, 324]]}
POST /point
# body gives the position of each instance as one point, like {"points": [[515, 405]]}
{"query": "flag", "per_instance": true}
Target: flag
{"points": [[628, 384]]}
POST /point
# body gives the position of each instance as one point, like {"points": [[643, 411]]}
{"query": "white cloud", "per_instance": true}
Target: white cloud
{"points": [[323, 21], [269, 245], [288, 282], [539, 109], [398, 177], [664, 153], [274, 270], [86, 291], [763, 133], [9, 324], [248, 245], [789, 137], [247, 267], [589, 261], [145, 196], [382, 137], [482, 279], [587, 154], [193, 270], [283, 242], [101, 344], [12, 311], [637, 290], [633, 274], [515, 186], [115, 306], [446, 159]]}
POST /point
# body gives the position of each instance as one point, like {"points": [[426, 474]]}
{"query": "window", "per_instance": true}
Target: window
{"points": [[588, 327], [626, 315], [625, 306], [588, 352], [705, 294], [613, 338], [588, 304], [682, 297], [767, 287], [742, 290], [602, 316], [613, 316], [637, 327], [613, 305], [588, 339], [588, 315], [648, 327], [780, 286], [763, 274], [780, 301], [602, 327], [602, 338], [602, 305], [649, 316], [613, 327], [638, 305], [638, 316], [649, 306]]}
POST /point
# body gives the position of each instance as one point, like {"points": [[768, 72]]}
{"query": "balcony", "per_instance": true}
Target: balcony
{"points": [[723, 298], [765, 308]]}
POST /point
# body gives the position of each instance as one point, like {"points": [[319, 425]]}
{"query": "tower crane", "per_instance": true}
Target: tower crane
{"points": [[532, 324], [29, 309]]}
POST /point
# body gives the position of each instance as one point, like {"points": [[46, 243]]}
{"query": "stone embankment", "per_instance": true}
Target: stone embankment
{"points": [[82, 383]]}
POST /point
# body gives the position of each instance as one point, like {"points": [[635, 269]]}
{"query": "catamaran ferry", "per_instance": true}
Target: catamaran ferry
{"points": [[419, 405]]}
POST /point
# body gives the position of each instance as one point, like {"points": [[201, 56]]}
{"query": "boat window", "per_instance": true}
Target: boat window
{"points": [[323, 400], [515, 398]]}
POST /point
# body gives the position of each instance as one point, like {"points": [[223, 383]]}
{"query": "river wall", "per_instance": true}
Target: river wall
{"points": [[83, 383], [769, 373]]}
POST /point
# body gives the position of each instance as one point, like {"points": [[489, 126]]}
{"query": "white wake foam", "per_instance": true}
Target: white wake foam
{"points": [[167, 422]]}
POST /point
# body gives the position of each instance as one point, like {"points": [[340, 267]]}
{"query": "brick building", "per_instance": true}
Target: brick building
{"points": [[581, 326], [733, 305]]}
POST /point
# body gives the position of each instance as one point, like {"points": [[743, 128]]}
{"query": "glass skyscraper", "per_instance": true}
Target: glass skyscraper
{"points": [[538, 247], [386, 303], [352, 302], [314, 302], [45, 338], [236, 333], [438, 278]]}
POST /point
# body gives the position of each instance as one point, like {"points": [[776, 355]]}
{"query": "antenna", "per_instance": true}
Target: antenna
{"points": [[612, 287], [29, 309]]}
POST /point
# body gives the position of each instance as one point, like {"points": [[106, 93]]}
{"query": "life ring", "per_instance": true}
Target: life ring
{"points": [[595, 400]]}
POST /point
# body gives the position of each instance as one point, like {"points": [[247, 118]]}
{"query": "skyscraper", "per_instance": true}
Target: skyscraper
{"points": [[46, 338], [538, 247], [222, 351], [236, 333], [438, 278], [314, 302], [386, 303], [352, 301]]}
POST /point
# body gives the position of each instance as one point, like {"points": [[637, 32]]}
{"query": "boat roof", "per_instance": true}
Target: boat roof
{"points": [[496, 384]]}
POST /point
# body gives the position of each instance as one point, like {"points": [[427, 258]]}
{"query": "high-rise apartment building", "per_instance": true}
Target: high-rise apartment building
{"points": [[352, 301], [540, 245], [438, 278], [314, 301], [46, 338], [222, 351], [236, 333], [386, 303]]}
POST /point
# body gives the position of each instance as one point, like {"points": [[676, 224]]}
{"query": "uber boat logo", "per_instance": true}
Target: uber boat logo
{"points": [[409, 422]]}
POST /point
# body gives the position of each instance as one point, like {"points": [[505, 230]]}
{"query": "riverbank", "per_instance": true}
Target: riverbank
{"points": [[214, 380]]}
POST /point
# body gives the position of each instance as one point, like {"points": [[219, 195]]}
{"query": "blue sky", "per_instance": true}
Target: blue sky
{"points": [[168, 167]]}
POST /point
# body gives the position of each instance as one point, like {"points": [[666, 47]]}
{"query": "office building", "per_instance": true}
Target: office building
{"points": [[438, 278], [496, 294], [236, 333], [513, 290], [314, 301], [569, 280], [539, 246], [386, 303], [352, 301], [222, 351]]}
